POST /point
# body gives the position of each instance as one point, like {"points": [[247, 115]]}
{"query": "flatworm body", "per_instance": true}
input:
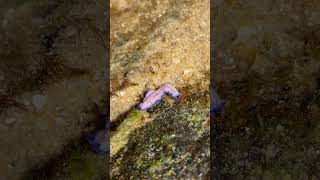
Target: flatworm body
{"points": [[152, 97]]}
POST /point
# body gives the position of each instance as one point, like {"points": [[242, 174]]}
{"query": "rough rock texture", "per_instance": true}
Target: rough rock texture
{"points": [[154, 42], [51, 81], [171, 141], [267, 71]]}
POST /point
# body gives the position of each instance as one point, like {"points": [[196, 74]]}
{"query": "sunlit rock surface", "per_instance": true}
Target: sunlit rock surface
{"points": [[152, 43]]}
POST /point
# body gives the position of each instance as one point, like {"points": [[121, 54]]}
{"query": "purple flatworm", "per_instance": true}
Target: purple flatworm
{"points": [[152, 97]]}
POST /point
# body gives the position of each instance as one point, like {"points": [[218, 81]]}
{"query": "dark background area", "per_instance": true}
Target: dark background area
{"points": [[266, 68], [53, 88]]}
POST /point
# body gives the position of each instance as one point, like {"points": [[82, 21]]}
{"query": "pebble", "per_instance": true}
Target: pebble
{"points": [[120, 93], [186, 72], [39, 101]]}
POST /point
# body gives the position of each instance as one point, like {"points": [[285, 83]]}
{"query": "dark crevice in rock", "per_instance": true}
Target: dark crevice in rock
{"points": [[117, 122]]}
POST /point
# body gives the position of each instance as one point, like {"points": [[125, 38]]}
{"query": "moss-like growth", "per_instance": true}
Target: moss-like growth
{"points": [[120, 138], [135, 116], [177, 137]]}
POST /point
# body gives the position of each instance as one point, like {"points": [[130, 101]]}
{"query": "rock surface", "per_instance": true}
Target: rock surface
{"points": [[267, 71], [49, 55], [152, 43]]}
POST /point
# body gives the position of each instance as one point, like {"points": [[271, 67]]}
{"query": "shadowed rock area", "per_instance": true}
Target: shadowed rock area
{"points": [[267, 71], [52, 88]]}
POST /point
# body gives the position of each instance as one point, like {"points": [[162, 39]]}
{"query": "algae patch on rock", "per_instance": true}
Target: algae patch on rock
{"points": [[120, 137], [174, 144]]}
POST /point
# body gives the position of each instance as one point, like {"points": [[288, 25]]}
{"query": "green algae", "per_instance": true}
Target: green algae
{"points": [[135, 116], [161, 147], [120, 137], [135, 119]]}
